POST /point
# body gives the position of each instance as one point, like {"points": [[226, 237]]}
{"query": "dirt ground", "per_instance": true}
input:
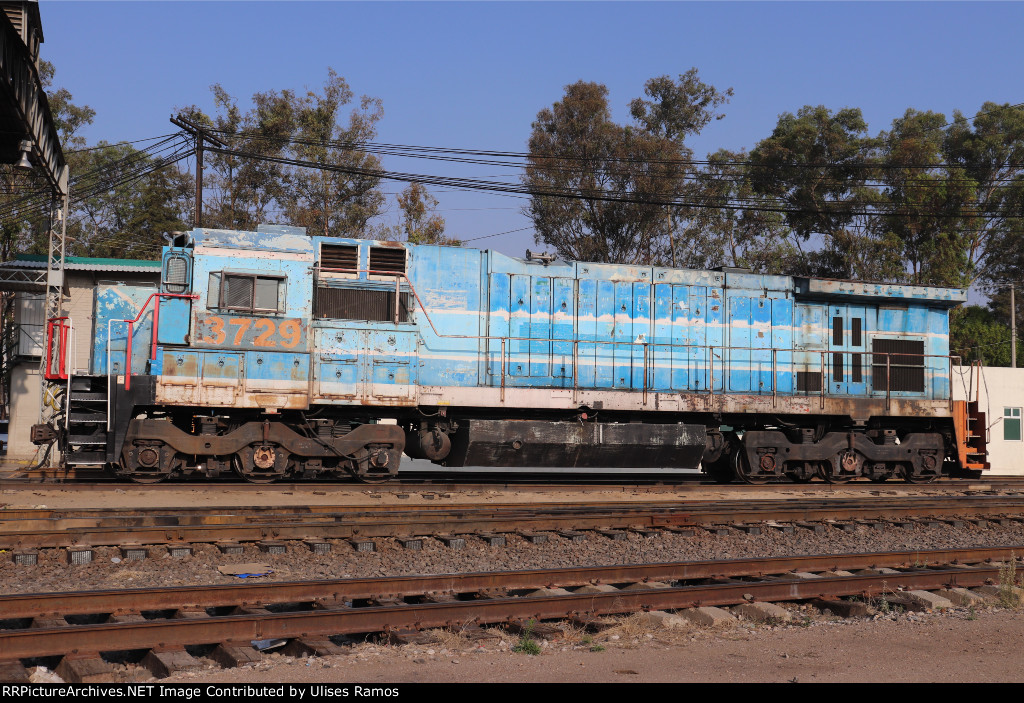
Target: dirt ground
{"points": [[962, 646]]}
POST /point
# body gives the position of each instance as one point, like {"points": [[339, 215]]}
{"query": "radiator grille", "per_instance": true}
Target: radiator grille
{"points": [[387, 260], [360, 304], [808, 381], [906, 361], [339, 256]]}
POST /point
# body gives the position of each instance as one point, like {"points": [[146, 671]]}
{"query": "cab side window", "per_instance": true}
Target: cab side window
{"points": [[247, 293]]}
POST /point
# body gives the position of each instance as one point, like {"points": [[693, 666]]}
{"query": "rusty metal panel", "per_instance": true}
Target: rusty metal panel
{"points": [[782, 341], [540, 326], [682, 336], [661, 376], [816, 287], [739, 342], [221, 378], [576, 444], [604, 352], [519, 326], [276, 379], [179, 382], [563, 319], [586, 331], [622, 333], [499, 292], [392, 365]]}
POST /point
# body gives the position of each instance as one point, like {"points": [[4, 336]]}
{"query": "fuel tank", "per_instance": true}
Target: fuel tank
{"points": [[576, 444]]}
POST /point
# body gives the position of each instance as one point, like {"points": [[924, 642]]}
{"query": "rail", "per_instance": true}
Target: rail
{"points": [[825, 369]]}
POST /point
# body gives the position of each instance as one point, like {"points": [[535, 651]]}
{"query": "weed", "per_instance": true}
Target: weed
{"points": [[526, 643], [883, 605], [1009, 593], [806, 621], [597, 648], [450, 638], [575, 635], [971, 614], [631, 627]]}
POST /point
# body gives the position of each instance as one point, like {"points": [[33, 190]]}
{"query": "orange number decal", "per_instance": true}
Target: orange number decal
{"points": [[292, 333], [243, 324], [216, 329], [263, 339]]}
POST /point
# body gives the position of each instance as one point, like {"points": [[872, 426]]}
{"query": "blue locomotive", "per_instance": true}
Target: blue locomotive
{"points": [[275, 354]]}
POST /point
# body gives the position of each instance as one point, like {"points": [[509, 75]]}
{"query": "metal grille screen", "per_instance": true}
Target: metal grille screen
{"points": [[387, 259], [339, 256], [808, 381], [360, 304], [177, 274], [906, 359], [238, 292]]}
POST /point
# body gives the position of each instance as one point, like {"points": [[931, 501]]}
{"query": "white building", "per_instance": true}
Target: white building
{"points": [[81, 275], [1000, 395]]}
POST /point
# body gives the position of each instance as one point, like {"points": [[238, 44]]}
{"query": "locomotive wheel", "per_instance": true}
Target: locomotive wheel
{"points": [[258, 464], [147, 478], [802, 472], [371, 479], [909, 477], [848, 459], [144, 464], [741, 467], [373, 464], [720, 470]]}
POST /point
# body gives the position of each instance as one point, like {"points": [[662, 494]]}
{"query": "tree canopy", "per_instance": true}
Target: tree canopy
{"points": [[601, 191], [929, 200]]}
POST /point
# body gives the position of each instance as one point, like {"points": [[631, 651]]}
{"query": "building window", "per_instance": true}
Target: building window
{"points": [[243, 292], [1011, 424]]}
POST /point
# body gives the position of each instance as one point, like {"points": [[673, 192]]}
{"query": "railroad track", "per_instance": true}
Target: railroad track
{"points": [[97, 479], [48, 528], [163, 621]]}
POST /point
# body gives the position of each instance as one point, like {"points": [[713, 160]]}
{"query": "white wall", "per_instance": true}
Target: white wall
{"points": [[25, 397], [996, 388]]}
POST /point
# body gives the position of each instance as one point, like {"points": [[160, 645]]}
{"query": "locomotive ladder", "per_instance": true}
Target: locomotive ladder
{"points": [[971, 428], [87, 422]]}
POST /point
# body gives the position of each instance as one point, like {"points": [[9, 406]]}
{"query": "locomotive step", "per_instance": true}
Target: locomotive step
{"points": [[89, 418], [85, 461], [87, 440], [88, 397]]}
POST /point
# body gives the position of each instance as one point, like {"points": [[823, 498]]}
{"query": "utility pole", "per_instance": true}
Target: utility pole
{"points": [[200, 136], [1013, 329]]}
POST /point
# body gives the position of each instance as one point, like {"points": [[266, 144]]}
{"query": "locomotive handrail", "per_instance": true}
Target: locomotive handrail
{"points": [[131, 325], [63, 329], [708, 348]]}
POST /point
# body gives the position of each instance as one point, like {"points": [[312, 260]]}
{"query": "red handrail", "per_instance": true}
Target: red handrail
{"points": [[61, 323]]}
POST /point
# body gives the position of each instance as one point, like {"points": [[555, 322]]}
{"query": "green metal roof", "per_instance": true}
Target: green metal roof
{"points": [[88, 263]]}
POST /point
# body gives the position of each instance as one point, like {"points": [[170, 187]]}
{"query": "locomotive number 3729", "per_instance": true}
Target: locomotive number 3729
{"points": [[252, 332]]}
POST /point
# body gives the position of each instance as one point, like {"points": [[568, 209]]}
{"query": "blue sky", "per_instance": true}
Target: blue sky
{"points": [[474, 75]]}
